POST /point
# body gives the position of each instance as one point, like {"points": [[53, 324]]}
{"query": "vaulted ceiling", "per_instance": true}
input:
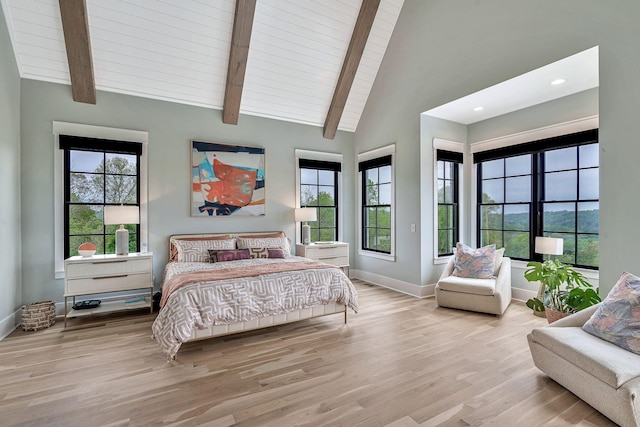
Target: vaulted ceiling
{"points": [[308, 61]]}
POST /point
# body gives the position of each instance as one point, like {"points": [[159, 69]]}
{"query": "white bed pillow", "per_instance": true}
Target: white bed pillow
{"points": [[198, 250], [265, 242]]}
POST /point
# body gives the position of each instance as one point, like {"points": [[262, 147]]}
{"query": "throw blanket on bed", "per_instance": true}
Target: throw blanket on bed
{"points": [[177, 281], [205, 303]]}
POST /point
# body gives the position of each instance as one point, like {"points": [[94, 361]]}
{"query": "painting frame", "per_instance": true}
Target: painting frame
{"points": [[227, 180]]}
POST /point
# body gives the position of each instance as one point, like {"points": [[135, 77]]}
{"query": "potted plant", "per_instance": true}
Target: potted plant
{"points": [[576, 294]]}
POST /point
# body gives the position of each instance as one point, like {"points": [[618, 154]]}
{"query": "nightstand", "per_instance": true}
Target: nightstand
{"points": [[335, 253], [102, 274]]}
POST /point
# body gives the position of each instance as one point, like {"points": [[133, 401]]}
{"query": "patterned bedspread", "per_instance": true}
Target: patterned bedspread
{"points": [[204, 304]]}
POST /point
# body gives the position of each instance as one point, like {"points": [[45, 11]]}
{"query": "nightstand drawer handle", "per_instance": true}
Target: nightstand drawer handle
{"points": [[110, 277], [327, 247], [109, 262], [328, 257]]}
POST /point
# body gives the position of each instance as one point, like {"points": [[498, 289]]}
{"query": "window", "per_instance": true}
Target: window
{"points": [[376, 204], [98, 173], [542, 188], [447, 179], [319, 188]]}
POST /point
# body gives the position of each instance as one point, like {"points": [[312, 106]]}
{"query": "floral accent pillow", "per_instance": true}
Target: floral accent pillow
{"points": [[617, 320], [197, 250], [228, 255], [474, 263]]}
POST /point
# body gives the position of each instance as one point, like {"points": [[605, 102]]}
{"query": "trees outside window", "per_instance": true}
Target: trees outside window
{"points": [[448, 200], [319, 189], [544, 188], [98, 173], [376, 204]]}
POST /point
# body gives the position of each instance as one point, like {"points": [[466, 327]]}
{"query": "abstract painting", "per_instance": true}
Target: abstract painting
{"points": [[226, 180]]}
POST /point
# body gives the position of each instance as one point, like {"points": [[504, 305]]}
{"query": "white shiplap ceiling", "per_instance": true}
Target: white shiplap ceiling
{"points": [[178, 51]]}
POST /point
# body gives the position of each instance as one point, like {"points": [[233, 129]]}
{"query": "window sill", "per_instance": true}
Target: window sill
{"points": [[386, 257], [442, 259]]}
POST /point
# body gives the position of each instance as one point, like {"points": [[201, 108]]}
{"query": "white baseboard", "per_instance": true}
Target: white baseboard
{"points": [[9, 324], [522, 294], [394, 284], [422, 291]]}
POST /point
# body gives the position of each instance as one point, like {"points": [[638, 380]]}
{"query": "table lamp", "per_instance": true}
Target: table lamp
{"points": [[549, 245], [304, 215], [546, 246], [122, 215]]}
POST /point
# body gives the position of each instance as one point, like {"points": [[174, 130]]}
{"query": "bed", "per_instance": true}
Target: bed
{"points": [[225, 283]]}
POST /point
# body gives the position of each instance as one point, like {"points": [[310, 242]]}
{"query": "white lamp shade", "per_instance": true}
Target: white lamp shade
{"points": [[121, 215], [306, 214], [549, 245]]}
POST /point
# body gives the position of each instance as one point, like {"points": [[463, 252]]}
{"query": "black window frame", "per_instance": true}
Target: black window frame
{"points": [[363, 167], [537, 150], [69, 143], [455, 159], [323, 165]]}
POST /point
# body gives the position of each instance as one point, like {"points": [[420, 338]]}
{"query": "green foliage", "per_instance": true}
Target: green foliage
{"points": [[493, 221], [86, 222], [566, 290]]}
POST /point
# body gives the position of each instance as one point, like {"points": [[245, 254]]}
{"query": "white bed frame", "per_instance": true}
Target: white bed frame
{"points": [[261, 322]]}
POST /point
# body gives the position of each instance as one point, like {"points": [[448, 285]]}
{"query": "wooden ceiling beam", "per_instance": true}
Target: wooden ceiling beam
{"points": [[361, 31], [75, 26], [242, 25]]}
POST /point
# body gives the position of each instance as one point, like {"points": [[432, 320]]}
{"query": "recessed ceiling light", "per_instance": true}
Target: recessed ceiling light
{"points": [[558, 81], [478, 109]]}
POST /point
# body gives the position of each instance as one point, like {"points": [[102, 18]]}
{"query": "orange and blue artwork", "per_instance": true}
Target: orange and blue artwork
{"points": [[227, 180]]}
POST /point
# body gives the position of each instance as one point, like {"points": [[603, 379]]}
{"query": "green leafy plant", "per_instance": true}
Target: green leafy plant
{"points": [[566, 290]]}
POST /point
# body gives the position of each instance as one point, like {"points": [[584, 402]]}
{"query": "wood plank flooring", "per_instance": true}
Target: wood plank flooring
{"points": [[399, 362]]}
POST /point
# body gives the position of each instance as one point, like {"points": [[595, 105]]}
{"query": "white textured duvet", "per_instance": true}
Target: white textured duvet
{"points": [[207, 303]]}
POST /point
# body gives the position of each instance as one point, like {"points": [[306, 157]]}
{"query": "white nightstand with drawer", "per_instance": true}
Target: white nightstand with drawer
{"points": [[335, 253], [101, 274]]}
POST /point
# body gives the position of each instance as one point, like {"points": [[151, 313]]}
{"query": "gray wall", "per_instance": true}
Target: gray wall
{"points": [[170, 127], [10, 249], [442, 50]]}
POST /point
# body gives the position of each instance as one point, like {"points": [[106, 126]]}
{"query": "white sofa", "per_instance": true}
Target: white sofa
{"points": [[602, 374], [491, 296]]}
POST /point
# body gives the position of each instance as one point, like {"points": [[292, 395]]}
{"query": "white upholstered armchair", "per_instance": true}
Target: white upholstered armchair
{"points": [[491, 296]]}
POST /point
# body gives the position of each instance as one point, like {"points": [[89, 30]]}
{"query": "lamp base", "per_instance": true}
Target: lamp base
{"points": [[306, 234], [122, 241]]}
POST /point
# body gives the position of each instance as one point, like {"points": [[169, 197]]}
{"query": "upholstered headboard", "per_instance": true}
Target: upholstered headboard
{"points": [[173, 251]]}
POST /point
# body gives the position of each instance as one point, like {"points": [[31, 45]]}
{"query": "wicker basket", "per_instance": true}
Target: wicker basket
{"points": [[39, 315]]}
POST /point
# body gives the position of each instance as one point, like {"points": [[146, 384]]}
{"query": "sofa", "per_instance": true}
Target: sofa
{"points": [[602, 374], [491, 296]]}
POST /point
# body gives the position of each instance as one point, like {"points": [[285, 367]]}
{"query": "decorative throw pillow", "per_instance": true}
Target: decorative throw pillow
{"points": [[266, 253], [276, 253], [197, 250], [228, 255], [474, 263], [265, 242], [258, 253], [617, 320]]}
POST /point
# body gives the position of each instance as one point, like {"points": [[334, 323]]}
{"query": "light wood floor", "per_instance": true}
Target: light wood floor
{"points": [[399, 362]]}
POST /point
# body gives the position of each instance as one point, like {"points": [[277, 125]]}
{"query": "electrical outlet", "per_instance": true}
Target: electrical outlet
{"points": [[413, 228]]}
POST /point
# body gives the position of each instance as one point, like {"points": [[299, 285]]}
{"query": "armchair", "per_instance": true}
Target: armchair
{"points": [[491, 296]]}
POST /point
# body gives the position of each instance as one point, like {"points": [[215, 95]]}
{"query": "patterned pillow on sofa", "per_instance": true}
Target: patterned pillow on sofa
{"points": [[474, 263], [617, 320]]}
